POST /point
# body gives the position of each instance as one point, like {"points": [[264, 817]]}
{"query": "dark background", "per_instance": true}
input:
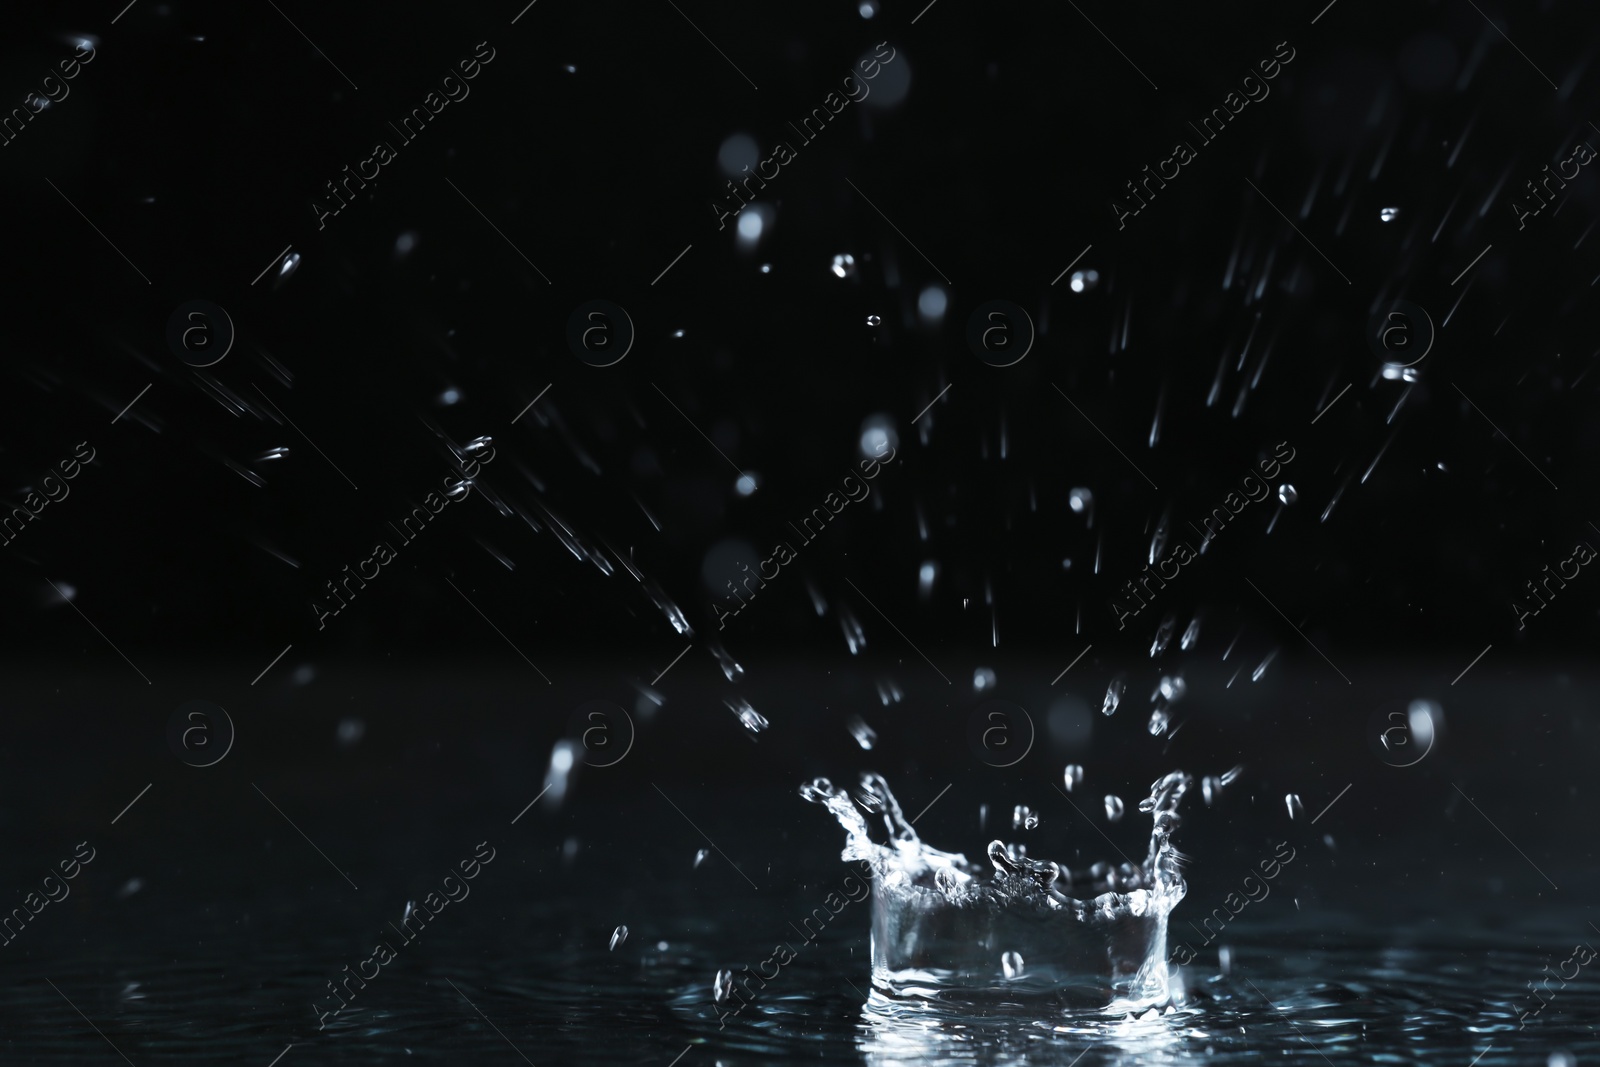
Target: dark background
{"points": [[196, 142]]}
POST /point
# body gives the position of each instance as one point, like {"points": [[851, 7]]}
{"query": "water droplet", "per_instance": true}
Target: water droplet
{"points": [[1011, 963], [1255, 675], [854, 636], [931, 304], [129, 888], [272, 454], [889, 692], [1163, 636], [1084, 280], [926, 577], [404, 244], [983, 679], [766, 268], [1024, 818], [878, 437], [1159, 720], [351, 731], [874, 320], [1114, 807], [1297, 810], [563, 756], [1231, 776], [1211, 789], [1191, 634], [731, 669], [1173, 687], [1225, 959], [722, 985], [1081, 501], [865, 735], [700, 856], [752, 719], [571, 68], [1287, 493], [1389, 214], [449, 396], [1561, 1059], [1114, 691], [844, 265], [1399, 372], [618, 936], [290, 264], [746, 485], [678, 334], [868, 8], [947, 880], [1073, 776]]}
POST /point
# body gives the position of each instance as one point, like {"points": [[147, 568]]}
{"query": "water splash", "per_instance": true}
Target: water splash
{"points": [[947, 929]]}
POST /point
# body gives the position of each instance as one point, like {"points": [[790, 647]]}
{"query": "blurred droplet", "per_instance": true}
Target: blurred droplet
{"points": [[749, 717], [865, 735], [1225, 959], [1011, 963], [737, 154], [854, 636], [746, 485], [1114, 691], [404, 244], [1287, 493], [129, 888], [874, 320], [450, 396], [1073, 777], [1191, 634], [722, 985], [1083, 281], [618, 936], [351, 730], [878, 437], [983, 679], [270, 454], [931, 304], [700, 856], [868, 8], [1114, 808], [290, 264], [1297, 810], [926, 576], [844, 265], [766, 268], [1389, 214], [1024, 818]]}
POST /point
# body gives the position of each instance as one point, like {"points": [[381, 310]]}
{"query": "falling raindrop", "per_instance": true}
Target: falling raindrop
{"points": [[746, 484], [1114, 807], [766, 268], [1011, 963], [1082, 503], [1163, 636], [1024, 818], [752, 719], [731, 668], [700, 855], [865, 735], [1114, 691], [273, 453], [983, 679], [618, 936], [1073, 776], [1172, 688], [1389, 214], [854, 636], [1297, 810], [1225, 959], [1211, 789], [722, 985], [286, 269], [1287, 493], [351, 731], [926, 576], [1084, 280], [1255, 675], [874, 320], [1191, 634], [844, 265], [1159, 719]]}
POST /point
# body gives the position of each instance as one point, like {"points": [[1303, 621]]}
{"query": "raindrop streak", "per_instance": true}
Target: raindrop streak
{"points": [[1073, 776], [1114, 691], [1297, 810], [1255, 675], [1011, 963], [618, 937], [700, 857], [730, 666], [1191, 634], [854, 636], [1024, 818], [1159, 721], [865, 735], [1163, 636], [1114, 808], [752, 719]]}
